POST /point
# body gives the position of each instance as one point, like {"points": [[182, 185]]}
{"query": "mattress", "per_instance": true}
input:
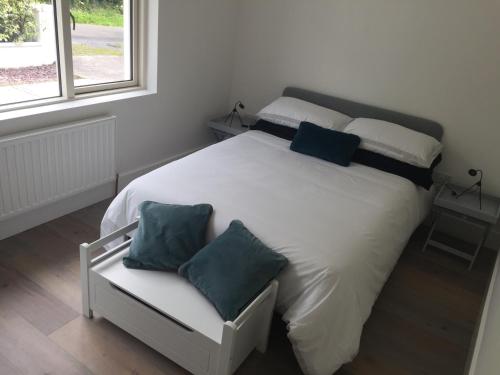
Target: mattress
{"points": [[342, 229]]}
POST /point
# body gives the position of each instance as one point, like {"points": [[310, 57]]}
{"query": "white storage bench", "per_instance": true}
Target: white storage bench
{"points": [[167, 313]]}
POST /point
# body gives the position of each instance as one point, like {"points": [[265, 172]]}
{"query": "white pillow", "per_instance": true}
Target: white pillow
{"points": [[291, 112], [395, 141]]}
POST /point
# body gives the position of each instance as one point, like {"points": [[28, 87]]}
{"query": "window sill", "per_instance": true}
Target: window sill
{"points": [[83, 100]]}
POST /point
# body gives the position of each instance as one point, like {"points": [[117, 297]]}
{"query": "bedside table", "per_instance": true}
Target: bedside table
{"points": [[465, 208], [223, 131]]}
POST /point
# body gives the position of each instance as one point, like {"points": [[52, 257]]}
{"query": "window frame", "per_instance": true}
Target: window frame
{"points": [[64, 50], [134, 27]]}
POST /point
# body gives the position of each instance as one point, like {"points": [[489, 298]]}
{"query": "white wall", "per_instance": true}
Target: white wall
{"points": [[435, 59], [193, 85]]}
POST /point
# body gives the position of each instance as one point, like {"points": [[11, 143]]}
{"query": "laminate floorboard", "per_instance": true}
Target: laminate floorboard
{"points": [[422, 323]]}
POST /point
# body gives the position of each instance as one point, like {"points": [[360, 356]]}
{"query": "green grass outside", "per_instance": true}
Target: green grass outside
{"points": [[105, 16], [85, 50]]}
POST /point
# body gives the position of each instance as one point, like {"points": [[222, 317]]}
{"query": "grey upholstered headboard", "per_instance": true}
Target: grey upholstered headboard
{"points": [[354, 109]]}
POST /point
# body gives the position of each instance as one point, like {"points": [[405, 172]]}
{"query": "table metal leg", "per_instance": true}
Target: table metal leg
{"points": [[436, 218], [486, 233]]}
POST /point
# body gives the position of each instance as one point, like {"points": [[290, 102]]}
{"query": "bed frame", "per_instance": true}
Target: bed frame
{"points": [[185, 327], [354, 109], [167, 313]]}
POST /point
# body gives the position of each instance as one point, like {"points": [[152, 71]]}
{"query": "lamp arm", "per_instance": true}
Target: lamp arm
{"points": [[235, 113], [479, 184], [466, 190], [480, 171]]}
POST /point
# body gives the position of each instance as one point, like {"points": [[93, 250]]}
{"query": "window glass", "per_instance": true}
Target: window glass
{"points": [[28, 51], [101, 40]]}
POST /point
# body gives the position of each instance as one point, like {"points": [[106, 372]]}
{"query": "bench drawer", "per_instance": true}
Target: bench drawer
{"points": [[182, 345]]}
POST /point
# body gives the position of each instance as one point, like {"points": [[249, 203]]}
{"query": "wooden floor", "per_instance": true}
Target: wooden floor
{"points": [[422, 323]]}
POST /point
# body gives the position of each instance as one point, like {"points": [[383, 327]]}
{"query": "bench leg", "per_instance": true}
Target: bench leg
{"points": [[226, 351], [266, 325], [84, 280]]}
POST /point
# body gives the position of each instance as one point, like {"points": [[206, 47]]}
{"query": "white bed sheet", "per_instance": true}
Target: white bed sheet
{"points": [[342, 229]]}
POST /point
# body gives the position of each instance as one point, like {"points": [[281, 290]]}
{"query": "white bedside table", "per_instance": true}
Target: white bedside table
{"points": [[467, 209], [223, 130]]}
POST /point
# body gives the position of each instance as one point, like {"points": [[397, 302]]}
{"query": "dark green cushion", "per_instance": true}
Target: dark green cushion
{"points": [[168, 236], [326, 144], [232, 270]]}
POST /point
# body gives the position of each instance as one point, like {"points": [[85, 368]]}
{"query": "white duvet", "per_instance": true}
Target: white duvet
{"points": [[342, 230]]}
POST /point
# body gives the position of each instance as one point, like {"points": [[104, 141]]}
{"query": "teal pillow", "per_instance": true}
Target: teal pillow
{"points": [[232, 270], [326, 144], [168, 236]]}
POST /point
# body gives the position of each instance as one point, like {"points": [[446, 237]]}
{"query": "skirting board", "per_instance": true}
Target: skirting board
{"points": [[40, 215], [127, 177]]}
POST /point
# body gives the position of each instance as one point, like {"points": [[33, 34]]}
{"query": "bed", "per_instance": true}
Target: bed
{"points": [[342, 229]]}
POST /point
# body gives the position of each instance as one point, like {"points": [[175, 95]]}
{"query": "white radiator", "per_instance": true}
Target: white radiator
{"points": [[40, 167]]}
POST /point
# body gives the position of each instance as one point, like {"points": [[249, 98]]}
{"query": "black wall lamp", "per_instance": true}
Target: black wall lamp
{"points": [[478, 184], [235, 113]]}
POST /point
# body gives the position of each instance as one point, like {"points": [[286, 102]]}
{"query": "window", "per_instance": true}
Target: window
{"points": [[28, 52], [62, 48]]}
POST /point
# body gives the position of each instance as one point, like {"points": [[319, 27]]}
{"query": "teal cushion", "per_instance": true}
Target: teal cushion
{"points": [[232, 270], [168, 236], [326, 144]]}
